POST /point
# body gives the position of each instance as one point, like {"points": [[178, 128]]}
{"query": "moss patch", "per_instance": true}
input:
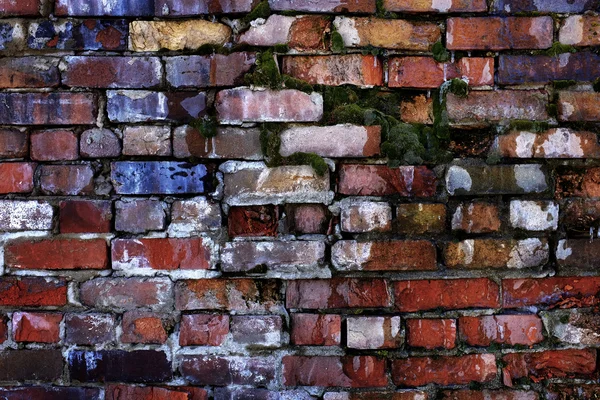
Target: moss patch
{"points": [[337, 43], [440, 54], [261, 10], [207, 126], [559, 48]]}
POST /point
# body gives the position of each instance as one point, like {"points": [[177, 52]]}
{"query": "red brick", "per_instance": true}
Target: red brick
{"points": [[497, 33], [349, 69], [139, 215], [36, 327], [426, 73], [111, 72], [85, 216], [203, 329], [431, 6], [241, 295], [57, 254], [476, 217], [338, 293], [16, 177], [578, 106], [549, 364], [462, 370], [431, 333], [496, 253], [127, 293], [28, 72], [89, 329], [59, 108], [207, 71], [239, 105], [348, 6], [308, 218], [316, 329], [553, 143], [143, 327], [489, 395], [253, 221], [13, 143], [502, 329], [23, 7], [421, 295], [550, 291], [380, 180], [580, 215], [348, 371], [54, 145], [32, 292], [308, 32], [126, 392], [67, 180], [392, 255], [161, 254]]}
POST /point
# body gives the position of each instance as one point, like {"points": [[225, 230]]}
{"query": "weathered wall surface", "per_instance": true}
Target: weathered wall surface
{"points": [[299, 199]]}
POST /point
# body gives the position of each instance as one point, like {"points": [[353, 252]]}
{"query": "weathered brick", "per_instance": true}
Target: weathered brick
{"points": [[253, 221], [257, 330], [380, 180], [176, 35], [497, 253], [335, 70], [225, 393], [524, 69], [164, 177], [308, 218], [224, 371], [534, 215], [580, 30], [58, 108], [417, 110], [316, 329], [25, 215], [482, 107], [25, 7], [549, 364], [276, 258], [161, 254], [400, 395], [206, 71], [308, 32], [126, 293], [137, 8], [189, 217], [203, 329], [350, 6], [147, 140], [549, 291], [230, 142], [426, 73], [497, 33], [580, 217], [578, 182], [489, 395], [338, 293], [270, 32], [387, 33], [421, 295], [124, 392], [17, 177], [89, 34], [504, 329], [373, 332], [347, 371], [586, 391], [141, 366], [239, 105], [555, 6], [578, 106], [365, 216], [554, 143], [431, 333], [145, 106], [420, 218], [143, 327], [432, 6], [54, 145], [99, 143], [578, 253], [392, 255], [29, 72], [476, 217], [111, 72], [89, 329], [50, 393], [139, 215], [179, 8], [57, 254], [255, 184], [343, 140], [85, 216], [496, 179], [31, 365], [32, 292], [575, 327], [240, 295], [36, 327], [67, 180], [13, 143]]}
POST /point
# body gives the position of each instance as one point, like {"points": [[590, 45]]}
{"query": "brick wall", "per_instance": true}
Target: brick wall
{"points": [[299, 199]]}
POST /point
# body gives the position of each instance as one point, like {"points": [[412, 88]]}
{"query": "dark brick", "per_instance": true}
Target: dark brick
{"points": [[497, 179], [230, 142], [580, 216], [89, 34], [85, 216], [49, 393], [59, 108], [31, 365], [143, 366], [222, 371], [166, 177], [13, 143], [139, 215], [28, 72], [99, 143], [144, 106], [126, 8], [89, 329], [67, 180], [308, 218], [32, 292], [253, 221], [112, 72], [3, 328], [205, 71]]}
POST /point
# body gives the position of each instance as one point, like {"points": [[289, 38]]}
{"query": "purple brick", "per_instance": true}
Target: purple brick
{"points": [[111, 72], [89, 329], [178, 8], [67, 180], [90, 34], [205, 71], [547, 6], [30, 365], [99, 143], [110, 8], [59, 108], [13, 143], [143, 106], [138, 216], [221, 371]]}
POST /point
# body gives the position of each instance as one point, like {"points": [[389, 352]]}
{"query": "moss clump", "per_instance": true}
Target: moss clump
{"points": [[440, 54], [261, 10], [563, 84], [207, 126], [459, 87], [266, 72], [347, 114], [559, 48], [596, 85], [526, 125], [337, 43], [315, 161], [552, 110], [403, 145], [298, 84], [372, 50]]}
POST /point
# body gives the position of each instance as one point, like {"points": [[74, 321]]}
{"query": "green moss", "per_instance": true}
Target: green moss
{"points": [[596, 85], [298, 84], [403, 145], [281, 48], [261, 10], [337, 43], [207, 126], [266, 73], [564, 319], [559, 48], [335, 96], [314, 160], [552, 110], [527, 125], [440, 54], [347, 114], [493, 158], [382, 12], [563, 84], [372, 50], [459, 87]]}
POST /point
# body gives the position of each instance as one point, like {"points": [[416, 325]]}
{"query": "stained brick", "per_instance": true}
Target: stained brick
{"points": [[89, 34], [417, 110], [274, 31], [556, 6], [400, 395], [257, 330], [580, 216], [28, 72], [364, 216], [420, 218], [497, 253], [373, 332], [58, 108], [504, 329], [188, 217], [85, 216], [348, 371], [253, 221], [496, 179], [230, 142], [124, 392], [146, 106], [580, 30], [16, 177], [426, 73], [136, 8], [553, 143], [36, 327], [13, 143], [176, 35], [549, 291], [54, 145], [351, 6], [57, 254], [338, 293], [12, 32], [203, 329], [578, 182], [379, 180], [316, 329], [489, 395], [577, 253], [350, 69], [206, 71], [392, 255], [31, 365], [431, 333], [578, 106], [179, 8], [3, 329], [524, 69], [111, 72], [126, 293], [223, 371], [308, 218], [476, 217], [576, 327], [89, 329], [50, 393], [25, 7], [67, 180], [552, 363], [139, 215], [308, 32], [556, 391]]}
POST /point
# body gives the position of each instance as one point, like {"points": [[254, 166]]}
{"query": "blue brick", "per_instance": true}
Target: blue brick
{"points": [[91, 34], [546, 6], [110, 8], [144, 106], [160, 177]]}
